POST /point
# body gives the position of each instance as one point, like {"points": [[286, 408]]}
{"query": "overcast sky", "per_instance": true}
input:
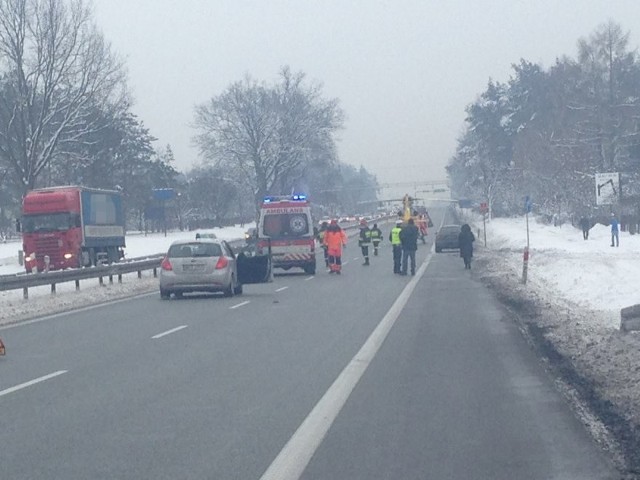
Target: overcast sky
{"points": [[403, 70]]}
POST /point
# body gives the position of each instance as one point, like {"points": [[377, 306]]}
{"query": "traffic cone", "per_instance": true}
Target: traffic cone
{"points": [[2, 351]]}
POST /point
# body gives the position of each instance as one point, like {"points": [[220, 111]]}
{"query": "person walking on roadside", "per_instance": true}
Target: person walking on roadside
{"points": [[465, 241], [396, 245], [585, 225], [364, 240], [376, 238], [320, 237], [409, 239], [615, 230], [335, 239]]}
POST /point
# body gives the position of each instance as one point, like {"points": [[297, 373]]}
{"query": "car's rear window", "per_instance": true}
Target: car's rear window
{"points": [[187, 250], [285, 225], [450, 230]]}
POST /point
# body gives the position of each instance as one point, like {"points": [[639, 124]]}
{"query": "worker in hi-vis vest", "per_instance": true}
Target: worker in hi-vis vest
{"points": [[396, 245]]}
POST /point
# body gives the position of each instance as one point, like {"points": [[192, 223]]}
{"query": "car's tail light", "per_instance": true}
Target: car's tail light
{"points": [[222, 263], [166, 264]]}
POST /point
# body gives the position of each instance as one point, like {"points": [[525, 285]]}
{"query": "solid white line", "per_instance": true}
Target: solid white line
{"points": [[239, 305], [32, 382], [296, 454], [169, 332], [281, 289]]}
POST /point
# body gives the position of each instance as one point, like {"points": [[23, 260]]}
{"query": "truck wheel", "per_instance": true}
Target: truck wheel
{"points": [[310, 269]]}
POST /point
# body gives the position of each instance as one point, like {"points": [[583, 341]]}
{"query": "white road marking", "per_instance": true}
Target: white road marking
{"points": [[32, 382], [296, 454], [356, 258], [345, 263], [239, 305], [281, 289], [169, 332], [309, 278]]}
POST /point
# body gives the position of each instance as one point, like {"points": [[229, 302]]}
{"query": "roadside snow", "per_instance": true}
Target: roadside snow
{"points": [[41, 302]]}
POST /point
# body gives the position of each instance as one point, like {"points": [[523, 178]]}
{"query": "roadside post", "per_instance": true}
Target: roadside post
{"points": [[525, 256]]}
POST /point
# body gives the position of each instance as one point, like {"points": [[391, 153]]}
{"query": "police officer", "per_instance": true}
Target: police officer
{"points": [[396, 244], [376, 238], [364, 240]]}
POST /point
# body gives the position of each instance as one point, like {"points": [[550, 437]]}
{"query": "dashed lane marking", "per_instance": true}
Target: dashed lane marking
{"points": [[239, 305], [309, 278], [31, 382], [281, 289], [169, 332]]}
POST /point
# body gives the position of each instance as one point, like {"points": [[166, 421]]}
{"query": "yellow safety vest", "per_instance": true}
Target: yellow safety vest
{"points": [[395, 235]]}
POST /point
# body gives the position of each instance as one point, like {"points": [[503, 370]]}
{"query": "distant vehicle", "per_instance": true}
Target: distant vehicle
{"points": [[72, 226], [286, 229], [205, 235], [209, 265], [447, 238]]}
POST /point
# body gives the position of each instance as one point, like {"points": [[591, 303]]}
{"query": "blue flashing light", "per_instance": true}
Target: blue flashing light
{"points": [[298, 197]]}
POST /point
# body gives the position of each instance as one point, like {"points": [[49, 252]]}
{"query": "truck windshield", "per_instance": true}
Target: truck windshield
{"points": [[50, 222], [285, 225]]}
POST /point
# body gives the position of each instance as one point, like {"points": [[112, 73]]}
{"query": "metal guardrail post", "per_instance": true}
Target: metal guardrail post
{"points": [[53, 289]]}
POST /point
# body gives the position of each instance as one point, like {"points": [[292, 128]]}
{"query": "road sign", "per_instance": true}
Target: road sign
{"points": [[163, 194], [607, 188], [484, 207], [527, 204]]}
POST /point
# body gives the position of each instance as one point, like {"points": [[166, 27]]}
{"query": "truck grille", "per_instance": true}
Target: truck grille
{"points": [[48, 246]]}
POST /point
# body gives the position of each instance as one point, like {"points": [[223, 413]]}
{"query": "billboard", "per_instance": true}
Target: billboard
{"points": [[607, 188]]}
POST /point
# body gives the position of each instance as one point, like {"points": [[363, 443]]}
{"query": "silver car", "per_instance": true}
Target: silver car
{"points": [[210, 265], [204, 265]]}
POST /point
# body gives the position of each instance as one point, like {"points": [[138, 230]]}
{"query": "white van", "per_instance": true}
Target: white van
{"points": [[286, 227]]}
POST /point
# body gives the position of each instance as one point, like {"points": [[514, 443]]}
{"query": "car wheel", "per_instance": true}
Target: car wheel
{"points": [[231, 290], [165, 294], [438, 249], [178, 294], [239, 289]]}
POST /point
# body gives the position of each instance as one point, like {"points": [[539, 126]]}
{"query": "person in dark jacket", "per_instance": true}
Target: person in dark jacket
{"points": [[465, 241], [585, 225], [409, 239]]}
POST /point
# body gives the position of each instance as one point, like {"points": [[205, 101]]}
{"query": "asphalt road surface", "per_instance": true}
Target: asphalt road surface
{"points": [[367, 375]]}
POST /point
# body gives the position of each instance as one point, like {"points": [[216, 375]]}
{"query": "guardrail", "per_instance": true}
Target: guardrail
{"points": [[24, 282]]}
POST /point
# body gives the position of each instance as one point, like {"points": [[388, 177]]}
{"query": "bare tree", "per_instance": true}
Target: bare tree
{"points": [[57, 69], [266, 135]]}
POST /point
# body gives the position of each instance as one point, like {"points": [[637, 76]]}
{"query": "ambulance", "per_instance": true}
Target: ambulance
{"points": [[285, 228]]}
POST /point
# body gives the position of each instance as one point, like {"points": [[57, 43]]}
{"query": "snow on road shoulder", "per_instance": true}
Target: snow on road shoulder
{"points": [[13, 308], [589, 273]]}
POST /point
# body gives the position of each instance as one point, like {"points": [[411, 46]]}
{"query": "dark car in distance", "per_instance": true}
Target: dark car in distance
{"points": [[447, 238]]}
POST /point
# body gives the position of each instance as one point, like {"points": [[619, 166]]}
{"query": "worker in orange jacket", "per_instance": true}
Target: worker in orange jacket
{"points": [[335, 240]]}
